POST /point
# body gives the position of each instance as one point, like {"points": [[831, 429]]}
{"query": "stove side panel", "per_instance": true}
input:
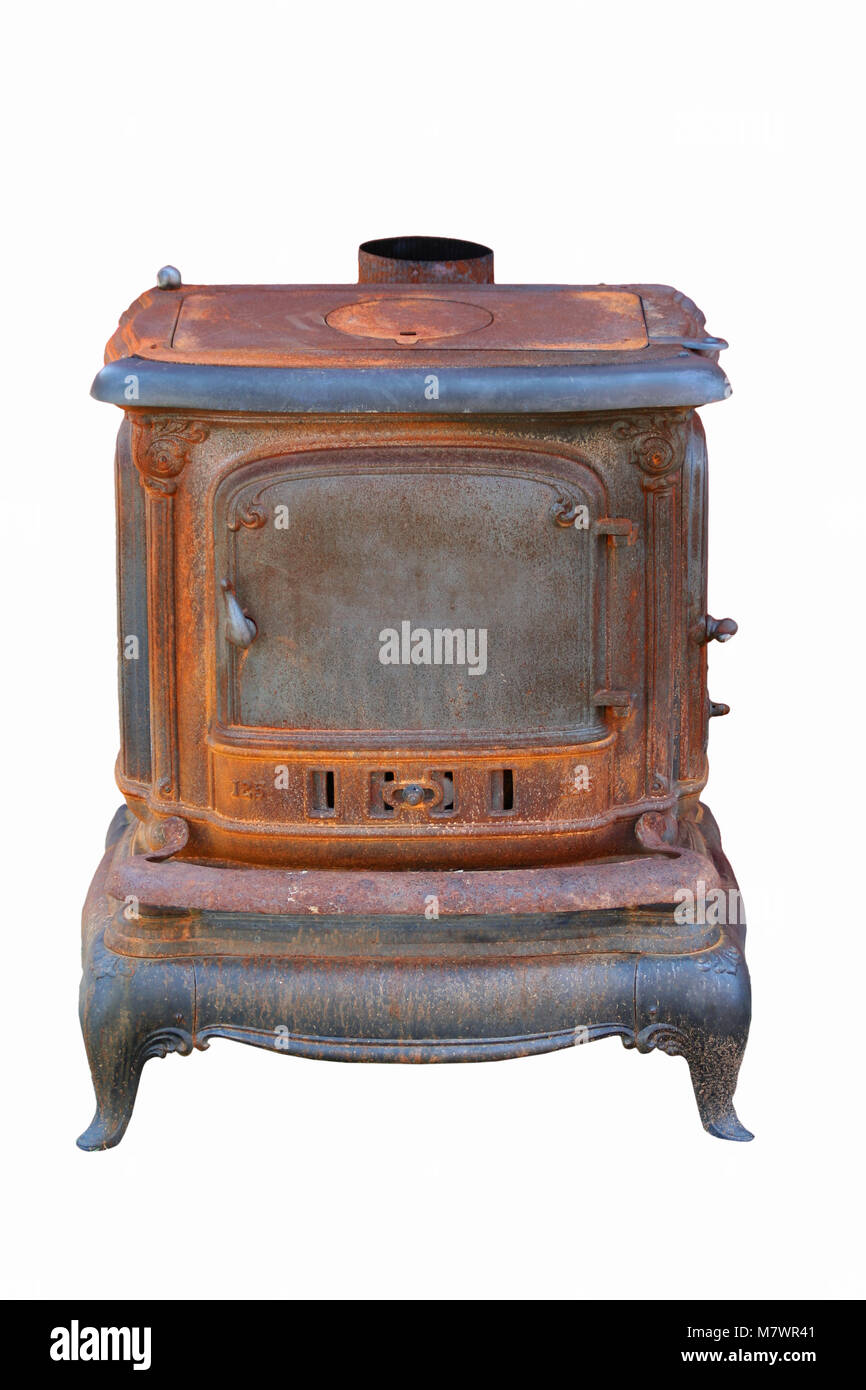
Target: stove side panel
{"points": [[133, 634], [691, 730]]}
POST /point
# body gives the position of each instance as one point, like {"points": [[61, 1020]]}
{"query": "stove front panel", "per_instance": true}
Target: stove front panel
{"points": [[469, 645]]}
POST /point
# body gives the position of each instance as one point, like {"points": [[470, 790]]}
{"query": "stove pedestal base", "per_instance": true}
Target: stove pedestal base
{"points": [[480, 989]]}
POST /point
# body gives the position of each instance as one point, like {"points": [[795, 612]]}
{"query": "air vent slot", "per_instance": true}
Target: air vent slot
{"points": [[322, 799], [502, 791], [378, 805], [448, 805]]}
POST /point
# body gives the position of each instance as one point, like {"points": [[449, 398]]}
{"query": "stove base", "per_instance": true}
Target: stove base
{"points": [[481, 989]]}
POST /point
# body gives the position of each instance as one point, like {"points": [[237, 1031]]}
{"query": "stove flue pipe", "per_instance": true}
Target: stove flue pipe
{"points": [[420, 260]]}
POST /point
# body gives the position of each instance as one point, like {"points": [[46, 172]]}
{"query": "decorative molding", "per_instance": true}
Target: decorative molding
{"points": [[384, 1049], [163, 836], [657, 832], [248, 514], [134, 678], [657, 446], [661, 1037], [565, 509], [161, 629], [161, 447], [162, 1042], [110, 966], [723, 961], [694, 711]]}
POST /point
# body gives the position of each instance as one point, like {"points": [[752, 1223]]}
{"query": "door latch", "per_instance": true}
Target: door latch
{"points": [[240, 629]]}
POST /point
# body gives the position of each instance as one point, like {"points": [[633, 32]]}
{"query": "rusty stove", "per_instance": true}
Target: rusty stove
{"points": [[413, 655]]}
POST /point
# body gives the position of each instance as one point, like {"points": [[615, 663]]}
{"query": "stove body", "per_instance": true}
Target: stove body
{"points": [[413, 678]]}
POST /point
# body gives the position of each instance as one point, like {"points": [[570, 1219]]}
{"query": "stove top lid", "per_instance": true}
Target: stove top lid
{"points": [[424, 305]]}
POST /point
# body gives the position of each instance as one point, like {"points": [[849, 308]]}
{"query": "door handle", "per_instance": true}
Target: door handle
{"points": [[240, 629]]}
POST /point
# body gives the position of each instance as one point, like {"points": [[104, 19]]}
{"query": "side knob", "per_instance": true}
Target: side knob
{"points": [[716, 629]]}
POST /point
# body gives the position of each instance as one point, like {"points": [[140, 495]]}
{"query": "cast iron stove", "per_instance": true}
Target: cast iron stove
{"points": [[413, 654]]}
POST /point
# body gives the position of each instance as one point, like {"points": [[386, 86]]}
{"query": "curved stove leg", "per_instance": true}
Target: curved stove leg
{"points": [[131, 1010], [699, 1007], [115, 1081], [714, 1064]]}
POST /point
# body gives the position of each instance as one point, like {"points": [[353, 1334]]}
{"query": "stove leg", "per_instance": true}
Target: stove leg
{"points": [[714, 1065], [705, 1002], [131, 1010], [115, 1081]]}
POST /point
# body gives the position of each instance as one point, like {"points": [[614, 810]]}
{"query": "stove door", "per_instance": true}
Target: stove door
{"points": [[436, 596]]}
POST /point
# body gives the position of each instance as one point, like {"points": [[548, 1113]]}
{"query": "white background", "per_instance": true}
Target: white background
{"points": [[713, 147]]}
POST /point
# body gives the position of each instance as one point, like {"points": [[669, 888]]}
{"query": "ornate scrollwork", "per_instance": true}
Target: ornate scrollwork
{"points": [[656, 444], [723, 961], [657, 832], [109, 966], [161, 447], [251, 515], [663, 1037], [166, 1040], [565, 510], [159, 837]]}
